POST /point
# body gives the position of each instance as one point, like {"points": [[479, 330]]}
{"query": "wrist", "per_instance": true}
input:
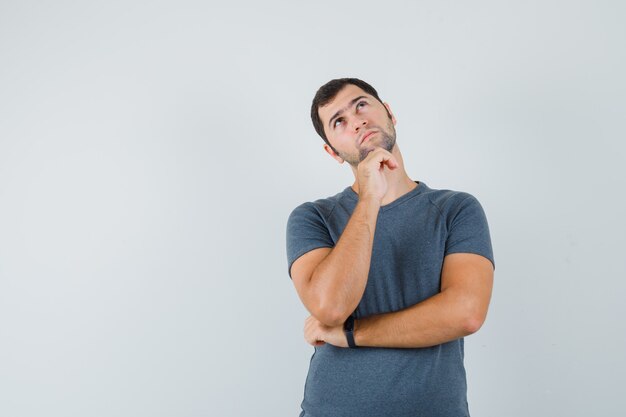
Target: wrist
{"points": [[370, 199], [359, 331], [368, 206]]}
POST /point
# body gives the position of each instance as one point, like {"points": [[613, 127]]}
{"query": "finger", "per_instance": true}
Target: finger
{"points": [[313, 341], [379, 154], [383, 156], [386, 157], [391, 163]]}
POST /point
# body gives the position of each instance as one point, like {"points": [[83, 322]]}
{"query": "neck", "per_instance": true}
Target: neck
{"points": [[398, 182]]}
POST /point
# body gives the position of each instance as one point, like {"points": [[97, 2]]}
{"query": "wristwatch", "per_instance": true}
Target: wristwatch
{"points": [[348, 329]]}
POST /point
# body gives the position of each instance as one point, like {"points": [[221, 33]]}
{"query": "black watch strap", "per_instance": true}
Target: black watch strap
{"points": [[348, 329]]}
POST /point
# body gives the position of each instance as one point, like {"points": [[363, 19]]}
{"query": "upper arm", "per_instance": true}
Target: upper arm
{"points": [[301, 272], [470, 276], [468, 266], [309, 241]]}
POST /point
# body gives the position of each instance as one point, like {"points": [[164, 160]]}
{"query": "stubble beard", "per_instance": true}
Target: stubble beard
{"points": [[387, 142]]}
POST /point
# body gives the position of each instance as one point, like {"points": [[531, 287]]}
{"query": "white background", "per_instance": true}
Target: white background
{"points": [[151, 152]]}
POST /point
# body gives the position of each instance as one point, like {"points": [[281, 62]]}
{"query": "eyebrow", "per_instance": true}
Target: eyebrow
{"points": [[354, 100]]}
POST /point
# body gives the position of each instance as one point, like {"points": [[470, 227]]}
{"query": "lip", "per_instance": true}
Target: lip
{"points": [[366, 135]]}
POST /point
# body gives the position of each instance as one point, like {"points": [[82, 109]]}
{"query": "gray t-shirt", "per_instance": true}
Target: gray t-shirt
{"points": [[413, 234]]}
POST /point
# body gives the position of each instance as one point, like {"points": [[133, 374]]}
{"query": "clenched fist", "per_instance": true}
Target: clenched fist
{"points": [[317, 333], [371, 173]]}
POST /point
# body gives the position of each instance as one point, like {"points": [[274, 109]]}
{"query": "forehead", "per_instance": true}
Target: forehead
{"points": [[341, 100]]}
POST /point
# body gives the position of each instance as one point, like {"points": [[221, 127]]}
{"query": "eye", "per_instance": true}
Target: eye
{"points": [[338, 120], [361, 102]]}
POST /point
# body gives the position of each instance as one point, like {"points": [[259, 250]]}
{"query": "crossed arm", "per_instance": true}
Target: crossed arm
{"points": [[457, 311], [331, 282]]}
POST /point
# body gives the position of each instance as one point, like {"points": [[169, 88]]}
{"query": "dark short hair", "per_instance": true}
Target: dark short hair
{"points": [[327, 93]]}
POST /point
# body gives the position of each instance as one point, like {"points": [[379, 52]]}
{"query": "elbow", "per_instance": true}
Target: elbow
{"points": [[327, 309], [473, 321], [329, 313], [333, 322], [330, 316], [473, 315], [472, 325]]}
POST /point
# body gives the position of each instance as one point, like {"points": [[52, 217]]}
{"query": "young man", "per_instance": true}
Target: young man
{"points": [[393, 272]]}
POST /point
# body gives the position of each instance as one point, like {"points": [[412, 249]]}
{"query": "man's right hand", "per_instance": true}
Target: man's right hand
{"points": [[371, 174]]}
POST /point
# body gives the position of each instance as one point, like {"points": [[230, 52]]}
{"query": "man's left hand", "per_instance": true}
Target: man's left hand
{"points": [[317, 333]]}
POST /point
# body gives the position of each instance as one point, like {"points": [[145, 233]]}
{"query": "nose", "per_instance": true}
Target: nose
{"points": [[358, 124]]}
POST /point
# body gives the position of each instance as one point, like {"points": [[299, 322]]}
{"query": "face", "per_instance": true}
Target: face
{"points": [[355, 124]]}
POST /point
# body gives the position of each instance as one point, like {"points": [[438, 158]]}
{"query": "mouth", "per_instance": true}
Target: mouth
{"points": [[366, 136]]}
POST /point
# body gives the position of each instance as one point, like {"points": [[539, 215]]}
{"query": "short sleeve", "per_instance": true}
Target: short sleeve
{"points": [[306, 230], [468, 230]]}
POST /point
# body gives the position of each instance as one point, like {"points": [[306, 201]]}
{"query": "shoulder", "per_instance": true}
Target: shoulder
{"points": [[450, 201], [322, 207]]}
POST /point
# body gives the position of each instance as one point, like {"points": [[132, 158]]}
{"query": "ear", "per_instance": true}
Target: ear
{"points": [[332, 153], [393, 118]]}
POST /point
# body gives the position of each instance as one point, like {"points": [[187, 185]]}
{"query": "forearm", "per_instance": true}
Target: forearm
{"points": [[439, 319], [340, 279]]}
